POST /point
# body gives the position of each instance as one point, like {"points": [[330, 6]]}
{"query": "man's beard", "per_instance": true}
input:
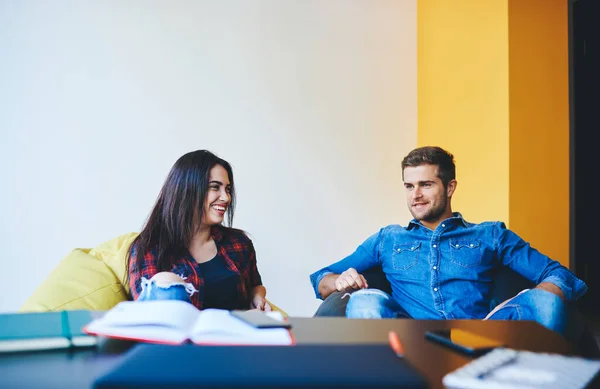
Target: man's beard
{"points": [[435, 213]]}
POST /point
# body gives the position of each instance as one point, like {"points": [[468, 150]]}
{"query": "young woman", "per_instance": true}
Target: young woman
{"points": [[184, 252]]}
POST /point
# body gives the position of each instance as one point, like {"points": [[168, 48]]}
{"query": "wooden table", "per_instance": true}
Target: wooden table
{"points": [[431, 359], [77, 369]]}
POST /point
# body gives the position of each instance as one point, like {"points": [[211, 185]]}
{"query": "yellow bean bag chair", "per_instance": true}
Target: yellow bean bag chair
{"points": [[91, 279]]}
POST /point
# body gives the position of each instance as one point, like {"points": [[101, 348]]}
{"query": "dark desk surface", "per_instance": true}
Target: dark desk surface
{"points": [[77, 369]]}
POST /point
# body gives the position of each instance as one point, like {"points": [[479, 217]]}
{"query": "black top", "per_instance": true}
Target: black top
{"points": [[220, 287]]}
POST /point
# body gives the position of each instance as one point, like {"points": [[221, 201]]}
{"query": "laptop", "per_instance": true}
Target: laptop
{"points": [[302, 366]]}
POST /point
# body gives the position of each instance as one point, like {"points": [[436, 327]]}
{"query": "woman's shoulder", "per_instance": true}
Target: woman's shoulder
{"points": [[150, 253]]}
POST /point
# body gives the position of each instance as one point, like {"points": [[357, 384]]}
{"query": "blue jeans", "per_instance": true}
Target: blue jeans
{"points": [[173, 291], [538, 305]]}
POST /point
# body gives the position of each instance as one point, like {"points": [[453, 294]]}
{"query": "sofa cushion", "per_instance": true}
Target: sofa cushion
{"points": [[79, 281], [333, 305], [114, 254]]}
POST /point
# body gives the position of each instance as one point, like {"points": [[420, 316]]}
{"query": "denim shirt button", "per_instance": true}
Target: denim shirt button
{"points": [[435, 245], [443, 225], [435, 289]]}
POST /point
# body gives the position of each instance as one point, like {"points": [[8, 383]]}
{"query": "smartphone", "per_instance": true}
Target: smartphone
{"points": [[464, 341], [259, 319]]}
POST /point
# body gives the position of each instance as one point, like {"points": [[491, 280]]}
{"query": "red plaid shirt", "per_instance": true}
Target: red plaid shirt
{"points": [[234, 246]]}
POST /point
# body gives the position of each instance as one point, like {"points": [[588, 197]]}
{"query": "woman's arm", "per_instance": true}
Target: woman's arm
{"points": [[258, 292], [140, 266], [258, 299]]}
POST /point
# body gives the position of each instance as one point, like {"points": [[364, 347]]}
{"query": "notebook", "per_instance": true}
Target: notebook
{"points": [[300, 366], [177, 322], [512, 369], [44, 330]]}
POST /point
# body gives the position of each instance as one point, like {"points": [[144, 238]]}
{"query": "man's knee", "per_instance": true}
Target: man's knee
{"points": [[538, 305], [548, 309], [369, 304]]}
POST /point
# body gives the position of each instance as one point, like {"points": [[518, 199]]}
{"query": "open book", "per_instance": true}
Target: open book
{"points": [[175, 322]]}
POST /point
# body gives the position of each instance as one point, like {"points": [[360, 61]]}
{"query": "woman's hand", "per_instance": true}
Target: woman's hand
{"points": [[260, 303]]}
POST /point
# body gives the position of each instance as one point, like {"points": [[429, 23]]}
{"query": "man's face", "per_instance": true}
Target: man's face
{"points": [[427, 199]]}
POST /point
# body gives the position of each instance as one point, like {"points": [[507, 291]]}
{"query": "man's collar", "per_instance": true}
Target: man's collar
{"points": [[456, 218]]}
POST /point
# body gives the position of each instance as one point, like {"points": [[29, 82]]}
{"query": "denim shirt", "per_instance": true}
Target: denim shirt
{"points": [[448, 273]]}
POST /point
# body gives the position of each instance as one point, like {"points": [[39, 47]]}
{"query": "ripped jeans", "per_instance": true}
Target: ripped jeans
{"points": [[151, 290]]}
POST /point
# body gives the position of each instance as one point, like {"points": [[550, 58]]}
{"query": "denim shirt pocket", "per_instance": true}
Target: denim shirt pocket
{"points": [[465, 253], [405, 255]]}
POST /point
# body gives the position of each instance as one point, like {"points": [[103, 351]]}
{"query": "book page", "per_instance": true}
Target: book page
{"points": [[216, 326], [34, 344], [159, 320]]}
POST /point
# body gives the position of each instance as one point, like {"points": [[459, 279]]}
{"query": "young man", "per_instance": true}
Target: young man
{"points": [[441, 267]]}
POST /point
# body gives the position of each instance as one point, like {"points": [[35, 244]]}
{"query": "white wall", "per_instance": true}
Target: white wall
{"points": [[313, 103]]}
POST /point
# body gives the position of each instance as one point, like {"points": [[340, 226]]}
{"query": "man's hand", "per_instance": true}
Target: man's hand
{"points": [[350, 280]]}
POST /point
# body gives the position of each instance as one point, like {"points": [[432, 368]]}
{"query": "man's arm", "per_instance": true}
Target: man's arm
{"points": [[550, 287], [327, 285], [546, 273], [345, 274]]}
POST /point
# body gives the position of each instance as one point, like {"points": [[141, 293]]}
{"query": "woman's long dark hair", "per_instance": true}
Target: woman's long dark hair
{"points": [[178, 210]]}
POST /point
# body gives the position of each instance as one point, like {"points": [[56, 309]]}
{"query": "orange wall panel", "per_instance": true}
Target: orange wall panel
{"points": [[539, 124]]}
